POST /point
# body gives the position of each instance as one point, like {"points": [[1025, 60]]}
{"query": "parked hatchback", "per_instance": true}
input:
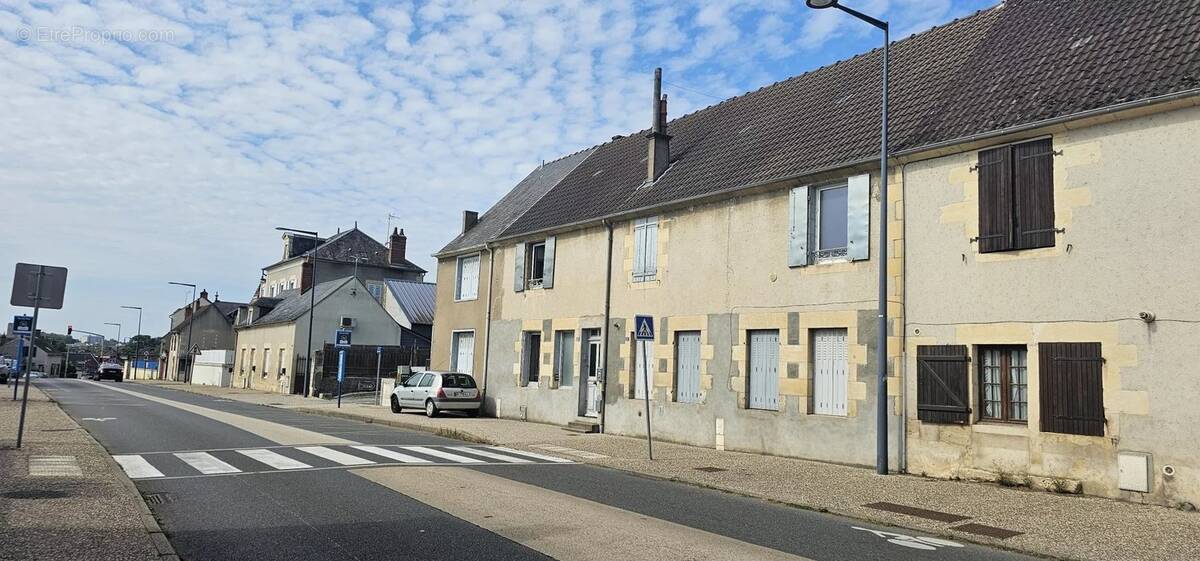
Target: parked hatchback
{"points": [[436, 392]]}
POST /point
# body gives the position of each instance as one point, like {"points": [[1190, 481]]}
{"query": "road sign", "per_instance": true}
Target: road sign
{"points": [[26, 292], [22, 325], [643, 328], [341, 339]]}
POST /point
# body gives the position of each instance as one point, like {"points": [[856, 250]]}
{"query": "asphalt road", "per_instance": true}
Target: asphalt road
{"points": [[230, 481]]}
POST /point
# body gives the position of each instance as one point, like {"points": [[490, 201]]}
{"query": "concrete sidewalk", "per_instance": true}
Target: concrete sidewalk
{"points": [[1041, 523], [63, 497]]}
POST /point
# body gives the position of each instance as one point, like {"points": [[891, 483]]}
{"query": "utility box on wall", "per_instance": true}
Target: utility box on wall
{"points": [[1133, 471]]}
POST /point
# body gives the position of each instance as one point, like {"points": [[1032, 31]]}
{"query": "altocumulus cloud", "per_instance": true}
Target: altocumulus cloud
{"points": [[152, 142]]}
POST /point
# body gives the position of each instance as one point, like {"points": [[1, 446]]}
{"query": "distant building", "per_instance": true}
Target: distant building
{"points": [[207, 324]]}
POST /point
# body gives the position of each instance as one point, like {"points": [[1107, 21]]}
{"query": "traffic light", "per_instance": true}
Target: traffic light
{"points": [[70, 329]]}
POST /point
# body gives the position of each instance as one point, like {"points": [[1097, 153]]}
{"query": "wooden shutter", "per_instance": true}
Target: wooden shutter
{"points": [[1033, 190], [798, 230], [548, 264], [942, 395], [519, 267], [1072, 389], [858, 217], [995, 200]]}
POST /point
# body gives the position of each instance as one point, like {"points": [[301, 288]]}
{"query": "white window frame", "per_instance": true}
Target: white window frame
{"points": [[645, 249], [454, 344], [372, 287], [530, 281], [841, 254], [461, 295]]}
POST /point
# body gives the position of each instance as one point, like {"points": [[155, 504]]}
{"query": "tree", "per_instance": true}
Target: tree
{"points": [[55, 342], [144, 345]]}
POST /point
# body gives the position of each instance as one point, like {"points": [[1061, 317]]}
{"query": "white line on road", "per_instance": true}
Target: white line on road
{"points": [[485, 453], [206, 463], [277, 461], [136, 467], [533, 455], [335, 456], [444, 455], [392, 454]]}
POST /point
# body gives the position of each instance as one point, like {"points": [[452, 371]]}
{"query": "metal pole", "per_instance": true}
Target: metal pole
{"points": [[646, 384], [191, 323], [67, 363], [312, 311], [881, 428], [378, 365], [37, 301]]}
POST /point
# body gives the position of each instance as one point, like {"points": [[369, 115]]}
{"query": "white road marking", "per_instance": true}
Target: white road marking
{"points": [[335, 456], [206, 463], [136, 467], [98, 419], [533, 455], [444, 455], [570, 451], [487, 454], [392, 454], [277, 461]]}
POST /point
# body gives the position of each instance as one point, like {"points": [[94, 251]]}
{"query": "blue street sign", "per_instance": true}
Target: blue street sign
{"points": [[378, 350], [22, 325], [643, 328], [341, 339]]}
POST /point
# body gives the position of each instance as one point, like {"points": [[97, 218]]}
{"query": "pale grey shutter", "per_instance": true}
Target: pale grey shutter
{"points": [[764, 370], [798, 231], [519, 267], [548, 264], [858, 217], [651, 248]]}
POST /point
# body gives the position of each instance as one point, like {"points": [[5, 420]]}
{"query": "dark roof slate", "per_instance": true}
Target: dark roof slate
{"points": [[1018, 63], [298, 304], [347, 245], [416, 299]]}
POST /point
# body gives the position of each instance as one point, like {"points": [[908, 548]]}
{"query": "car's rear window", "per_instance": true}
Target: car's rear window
{"points": [[457, 381]]}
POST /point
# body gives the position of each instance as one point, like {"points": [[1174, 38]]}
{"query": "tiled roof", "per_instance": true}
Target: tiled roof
{"points": [[347, 245], [1019, 63], [508, 209], [298, 304], [416, 299]]}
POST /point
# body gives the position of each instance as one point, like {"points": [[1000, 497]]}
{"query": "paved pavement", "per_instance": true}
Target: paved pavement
{"points": [[1063, 526], [61, 497], [364, 492]]}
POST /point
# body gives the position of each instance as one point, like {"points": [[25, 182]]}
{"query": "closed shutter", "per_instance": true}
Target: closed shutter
{"points": [[942, 395], [519, 267], [1072, 388], [1033, 188], [564, 347], [548, 264], [995, 200], [687, 366], [764, 370], [644, 368], [858, 217], [798, 228], [464, 353], [645, 249], [468, 278], [830, 380]]}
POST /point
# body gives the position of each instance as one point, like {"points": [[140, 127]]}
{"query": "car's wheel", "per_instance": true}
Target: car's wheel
{"points": [[395, 405], [117, 379], [431, 410]]}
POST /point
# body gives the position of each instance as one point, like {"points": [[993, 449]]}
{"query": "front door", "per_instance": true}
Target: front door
{"points": [[591, 370]]}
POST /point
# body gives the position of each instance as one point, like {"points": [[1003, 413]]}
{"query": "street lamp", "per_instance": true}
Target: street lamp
{"points": [[138, 346], [881, 424], [189, 337], [312, 305], [118, 331]]}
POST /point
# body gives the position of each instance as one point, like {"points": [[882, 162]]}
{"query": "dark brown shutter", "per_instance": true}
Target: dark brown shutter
{"points": [[995, 200], [942, 384], [1033, 189], [1072, 390]]}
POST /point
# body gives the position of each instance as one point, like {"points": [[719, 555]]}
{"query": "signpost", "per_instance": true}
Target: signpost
{"points": [[37, 287], [643, 330], [378, 364], [22, 326], [341, 340]]}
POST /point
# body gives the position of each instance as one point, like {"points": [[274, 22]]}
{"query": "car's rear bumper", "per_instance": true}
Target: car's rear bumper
{"points": [[457, 404]]}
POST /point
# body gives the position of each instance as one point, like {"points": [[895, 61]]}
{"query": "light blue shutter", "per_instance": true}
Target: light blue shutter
{"points": [[858, 217], [687, 366], [548, 264], [798, 230], [764, 370], [519, 267], [651, 248], [639, 250]]}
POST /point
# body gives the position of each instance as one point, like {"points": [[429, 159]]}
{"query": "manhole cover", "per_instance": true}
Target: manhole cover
{"points": [[34, 494], [710, 469], [158, 498]]}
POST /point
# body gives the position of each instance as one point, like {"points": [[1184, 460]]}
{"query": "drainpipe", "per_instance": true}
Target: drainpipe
{"points": [[607, 327], [902, 459], [487, 325]]}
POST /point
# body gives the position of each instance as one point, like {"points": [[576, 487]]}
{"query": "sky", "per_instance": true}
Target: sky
{"points": [[149, 142]]}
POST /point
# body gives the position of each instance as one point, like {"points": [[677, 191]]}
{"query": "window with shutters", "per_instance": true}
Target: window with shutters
{"points": [[763, 369], [643, 367], [466, 282], [462, 352], [534, 266], [687, 366], [1071, 388], [564, 355], [830, 376], [645, 249], [942, 382], [535, 263], [830, 223], [1003, 383], [376, 290], [1016, 197], [531, 357]]}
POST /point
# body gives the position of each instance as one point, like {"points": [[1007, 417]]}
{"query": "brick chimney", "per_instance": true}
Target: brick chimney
{"points": [[470, 219], [203, 294], [396, 246], [659, 157]]}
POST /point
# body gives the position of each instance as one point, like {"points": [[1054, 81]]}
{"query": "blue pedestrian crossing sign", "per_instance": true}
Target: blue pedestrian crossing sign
{"points": [[643, 328], [341, 339]]}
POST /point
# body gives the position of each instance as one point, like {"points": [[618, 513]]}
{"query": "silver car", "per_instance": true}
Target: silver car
{"points": [[436, 392]]}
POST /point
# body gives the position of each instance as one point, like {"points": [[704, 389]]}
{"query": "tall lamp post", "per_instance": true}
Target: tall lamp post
{"points": [[312, 305], [189, 337], [118, 334], [881, 424], [137, 348]]}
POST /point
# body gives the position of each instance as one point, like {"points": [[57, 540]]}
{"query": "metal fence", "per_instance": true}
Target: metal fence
{"points": [[361, 361]]}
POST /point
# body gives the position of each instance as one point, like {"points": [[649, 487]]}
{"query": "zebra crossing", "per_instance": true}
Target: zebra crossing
{"points": [[204, 463]]}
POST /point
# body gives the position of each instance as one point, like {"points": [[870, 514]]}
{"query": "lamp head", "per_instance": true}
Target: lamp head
{"points": [[821, 4]]}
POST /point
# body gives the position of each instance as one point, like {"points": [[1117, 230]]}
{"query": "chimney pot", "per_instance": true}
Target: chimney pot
{"points": [[203, 294], [470, 219], [659, 157], [396, 246]]}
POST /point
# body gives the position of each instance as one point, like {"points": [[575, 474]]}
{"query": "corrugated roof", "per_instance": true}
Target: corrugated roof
{"points": [[418, 300], [508, 209], [1019, 63], [299, 304]]}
